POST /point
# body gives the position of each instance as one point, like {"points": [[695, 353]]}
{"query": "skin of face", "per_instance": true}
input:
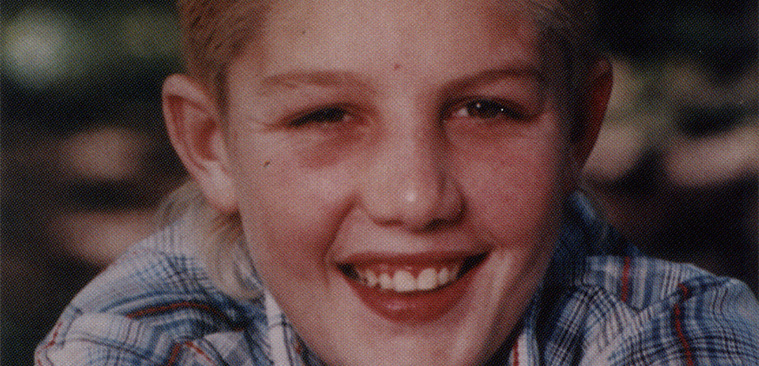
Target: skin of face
{"points": [[389, 136]]}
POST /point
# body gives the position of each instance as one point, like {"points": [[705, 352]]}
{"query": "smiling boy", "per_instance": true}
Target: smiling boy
{"points": [[393, 183]]}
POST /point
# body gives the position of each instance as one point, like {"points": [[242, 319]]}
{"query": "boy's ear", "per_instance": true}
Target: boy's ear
{"points": [[195, 130], [593, 110]]}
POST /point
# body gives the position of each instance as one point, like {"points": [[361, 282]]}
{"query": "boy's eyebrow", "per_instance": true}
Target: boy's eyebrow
{"points": [[530, 73], [319, 78], [291, 80]]}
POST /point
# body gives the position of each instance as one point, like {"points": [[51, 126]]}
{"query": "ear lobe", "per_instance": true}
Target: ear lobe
{"points": [[194, 128], [593, 110]]}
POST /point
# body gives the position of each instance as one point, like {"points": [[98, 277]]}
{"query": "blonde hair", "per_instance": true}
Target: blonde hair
{"points": [[568, 29], [214, 32], [217, 237]]}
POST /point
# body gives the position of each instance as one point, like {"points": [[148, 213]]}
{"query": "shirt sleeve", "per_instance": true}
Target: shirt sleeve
{"points": [[707, 321], [99, 339]]}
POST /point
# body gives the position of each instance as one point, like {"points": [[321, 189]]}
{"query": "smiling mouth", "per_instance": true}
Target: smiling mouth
{"points": [[410, 278]]}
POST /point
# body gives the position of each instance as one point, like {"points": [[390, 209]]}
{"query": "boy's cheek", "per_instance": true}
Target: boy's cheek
{"points": [[289, 204]]}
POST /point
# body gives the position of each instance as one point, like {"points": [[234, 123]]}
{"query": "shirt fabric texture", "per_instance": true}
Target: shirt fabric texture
{"points": [[601, 303]]}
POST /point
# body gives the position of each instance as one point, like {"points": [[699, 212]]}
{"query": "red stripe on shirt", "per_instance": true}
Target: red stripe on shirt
{"points": [[175, 306], [625, 280], [679, 327], [199, 351], [174, 354], [55, 335], [515, 352], [684, 291], [52, 342]]}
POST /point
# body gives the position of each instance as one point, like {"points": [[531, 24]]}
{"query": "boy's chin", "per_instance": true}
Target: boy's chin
{"points": [[431, 352], [443, 343]]}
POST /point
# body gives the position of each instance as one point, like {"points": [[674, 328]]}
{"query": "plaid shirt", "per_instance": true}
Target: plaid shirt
{"points": [[600, 303]]}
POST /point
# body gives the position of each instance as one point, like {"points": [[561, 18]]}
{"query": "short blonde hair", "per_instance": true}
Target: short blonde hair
{"points": [[214, 32]]}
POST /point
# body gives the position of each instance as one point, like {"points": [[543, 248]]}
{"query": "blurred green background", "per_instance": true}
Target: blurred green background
{"points": [[85, 159]]}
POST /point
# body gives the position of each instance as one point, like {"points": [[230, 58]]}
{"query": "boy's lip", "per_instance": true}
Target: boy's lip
{"points": [[409, 292]]}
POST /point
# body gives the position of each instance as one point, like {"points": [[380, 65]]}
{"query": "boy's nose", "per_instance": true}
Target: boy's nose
{"points": [[408, 182]]}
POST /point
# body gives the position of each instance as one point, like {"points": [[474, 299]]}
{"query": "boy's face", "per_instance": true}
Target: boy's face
{"points": [[399, 168]]}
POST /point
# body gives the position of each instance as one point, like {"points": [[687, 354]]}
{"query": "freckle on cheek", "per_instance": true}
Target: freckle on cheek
{"points": [[396, 66], [267, 163]]}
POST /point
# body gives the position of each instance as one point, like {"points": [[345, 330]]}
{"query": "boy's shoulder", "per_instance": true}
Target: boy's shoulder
{"points": [[640, 310], [153, 305], [639, 281]]}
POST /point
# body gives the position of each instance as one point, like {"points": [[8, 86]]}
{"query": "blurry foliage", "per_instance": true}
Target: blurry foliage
{"points": [[70, 64], [722, 35]]}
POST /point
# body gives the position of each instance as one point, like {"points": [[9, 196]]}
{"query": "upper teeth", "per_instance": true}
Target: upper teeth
{"points": [[404, 281]]}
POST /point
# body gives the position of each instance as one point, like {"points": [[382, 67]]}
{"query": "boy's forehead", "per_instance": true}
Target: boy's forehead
{"points": [[399, 16], [331, 32]]}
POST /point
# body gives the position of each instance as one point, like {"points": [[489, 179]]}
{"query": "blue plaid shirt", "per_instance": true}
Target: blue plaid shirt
{"points": [[600, 303]]}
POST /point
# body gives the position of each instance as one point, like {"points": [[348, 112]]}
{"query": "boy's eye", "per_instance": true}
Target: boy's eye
{"points": [[331, 115], [487, 109]]}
